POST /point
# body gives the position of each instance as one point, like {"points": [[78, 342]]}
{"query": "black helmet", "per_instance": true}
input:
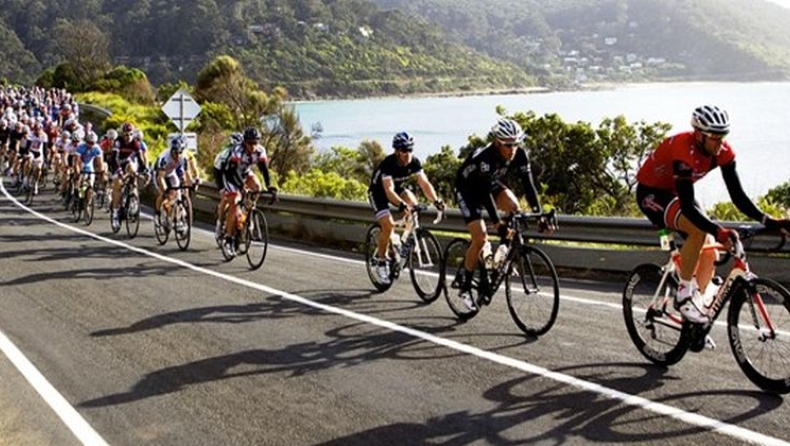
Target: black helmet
{"points": [[252, 134]]}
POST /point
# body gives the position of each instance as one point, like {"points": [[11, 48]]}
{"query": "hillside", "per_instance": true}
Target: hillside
{"points": [[621, 40], [343, 48], [337, 48]]}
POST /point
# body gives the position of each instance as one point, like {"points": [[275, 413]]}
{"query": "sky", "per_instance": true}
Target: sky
{"points": [[785, 3]]}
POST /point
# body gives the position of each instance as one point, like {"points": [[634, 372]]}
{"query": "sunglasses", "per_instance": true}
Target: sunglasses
{"points": [[508, 143], [406, 150], [714, 136]]}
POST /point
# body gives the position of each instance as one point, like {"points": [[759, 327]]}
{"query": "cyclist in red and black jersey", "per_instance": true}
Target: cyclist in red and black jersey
{"points": [[480, 184], [126, 157], [665, 194], [387, 186]]}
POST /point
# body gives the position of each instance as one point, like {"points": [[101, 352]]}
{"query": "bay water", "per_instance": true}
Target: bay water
{"points": [[759, 112]]}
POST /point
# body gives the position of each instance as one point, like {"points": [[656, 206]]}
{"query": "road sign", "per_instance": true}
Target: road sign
{"points": [[181, 109]]}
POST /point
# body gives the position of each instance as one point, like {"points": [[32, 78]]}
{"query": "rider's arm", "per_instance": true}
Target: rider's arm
{"points": [[737, 194], [684, 186], [426, 186], [528, 183], [263, 167], [389, 191]]}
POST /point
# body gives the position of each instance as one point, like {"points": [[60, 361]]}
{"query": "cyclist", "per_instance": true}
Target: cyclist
{"points": [[387, 186], [237, 173], [479, 184], [167, 166], [37, 141], [219, 161], [127, 157], [665, 194], [90, 161]]}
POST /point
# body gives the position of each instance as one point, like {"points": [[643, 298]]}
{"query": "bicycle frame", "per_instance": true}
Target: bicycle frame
{"points": [[411, 223]]}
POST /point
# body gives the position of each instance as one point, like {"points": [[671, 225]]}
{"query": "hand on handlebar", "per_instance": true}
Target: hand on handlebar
{"points": [[727, 237]]}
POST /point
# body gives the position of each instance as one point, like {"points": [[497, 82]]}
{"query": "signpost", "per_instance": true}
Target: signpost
{"points": [[181, 108]]}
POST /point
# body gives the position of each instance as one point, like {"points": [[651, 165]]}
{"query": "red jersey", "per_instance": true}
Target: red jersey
{"points": [[657, 171]]}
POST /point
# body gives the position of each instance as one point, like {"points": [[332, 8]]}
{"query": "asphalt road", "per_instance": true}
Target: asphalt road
{"points": [[151, 345]]}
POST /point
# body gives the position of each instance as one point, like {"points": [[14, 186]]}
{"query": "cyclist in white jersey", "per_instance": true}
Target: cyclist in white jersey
{"points": [[167, 166]]}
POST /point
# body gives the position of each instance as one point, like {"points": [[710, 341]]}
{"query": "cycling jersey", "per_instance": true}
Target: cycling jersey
{"points": [[169, 165], [673, 168], [481, 176], [37, 143], [88, 154], [389, 168], [124, 152], [239, 166]]}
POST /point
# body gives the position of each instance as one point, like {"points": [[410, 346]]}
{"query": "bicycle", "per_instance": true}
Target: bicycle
{"points": [[534, 303], [83, 201], [251, 234], [416, 248], [130, 205], [178, 217], [757, 306]]}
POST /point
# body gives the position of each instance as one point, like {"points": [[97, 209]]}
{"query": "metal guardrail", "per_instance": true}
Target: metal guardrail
{"points": [[632, 232]]}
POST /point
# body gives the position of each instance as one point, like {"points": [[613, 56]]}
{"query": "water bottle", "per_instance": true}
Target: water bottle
{"points": [[663, 238], [500, 255], [488, 258], [395, 242]]}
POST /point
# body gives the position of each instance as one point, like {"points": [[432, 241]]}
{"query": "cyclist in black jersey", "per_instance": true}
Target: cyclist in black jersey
{"points": [[480, 184], [386, 186]]}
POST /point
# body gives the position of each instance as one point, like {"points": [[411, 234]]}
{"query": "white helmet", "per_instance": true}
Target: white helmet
{"points": [[709, 118], [507, 129]]}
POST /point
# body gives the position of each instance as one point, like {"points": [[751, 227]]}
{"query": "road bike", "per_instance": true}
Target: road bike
{"points": [[758, 319], [83, 199], [251, 234], [177, 215], [414, 248], [531, 283], [129, 210]]}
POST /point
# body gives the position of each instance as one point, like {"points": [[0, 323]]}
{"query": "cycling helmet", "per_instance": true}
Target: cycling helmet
{"points": [[252, 134], [91, 138], [709, 118], [403, 141], [76, 137], [178, 144], [112, 134], [127, 128], [507, 129], [3, 123], [137, 134], [235, 138], [65, 134]]}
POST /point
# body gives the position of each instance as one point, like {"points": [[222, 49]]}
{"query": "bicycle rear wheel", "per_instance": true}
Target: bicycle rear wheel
{"points": [[425, 263], [762, 354], [256, 240], [184, 223], [656, 330], [453, 270], [371, 246], [535, 300], [132, 215]]}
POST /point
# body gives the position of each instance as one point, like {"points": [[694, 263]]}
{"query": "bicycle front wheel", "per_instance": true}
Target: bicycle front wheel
{"points": [[425, 262], [655, 327], [453, 270], [533, 299], [183, 224], [257, 238], [89, 208], [132, 216], [758, 323], [161, 231]]}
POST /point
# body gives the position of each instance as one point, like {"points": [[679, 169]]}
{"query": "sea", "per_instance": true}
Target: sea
{"points": [[759, 112]]}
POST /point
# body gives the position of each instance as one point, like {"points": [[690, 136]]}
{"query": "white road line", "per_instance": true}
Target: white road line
{"points": [[711, 424]]}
